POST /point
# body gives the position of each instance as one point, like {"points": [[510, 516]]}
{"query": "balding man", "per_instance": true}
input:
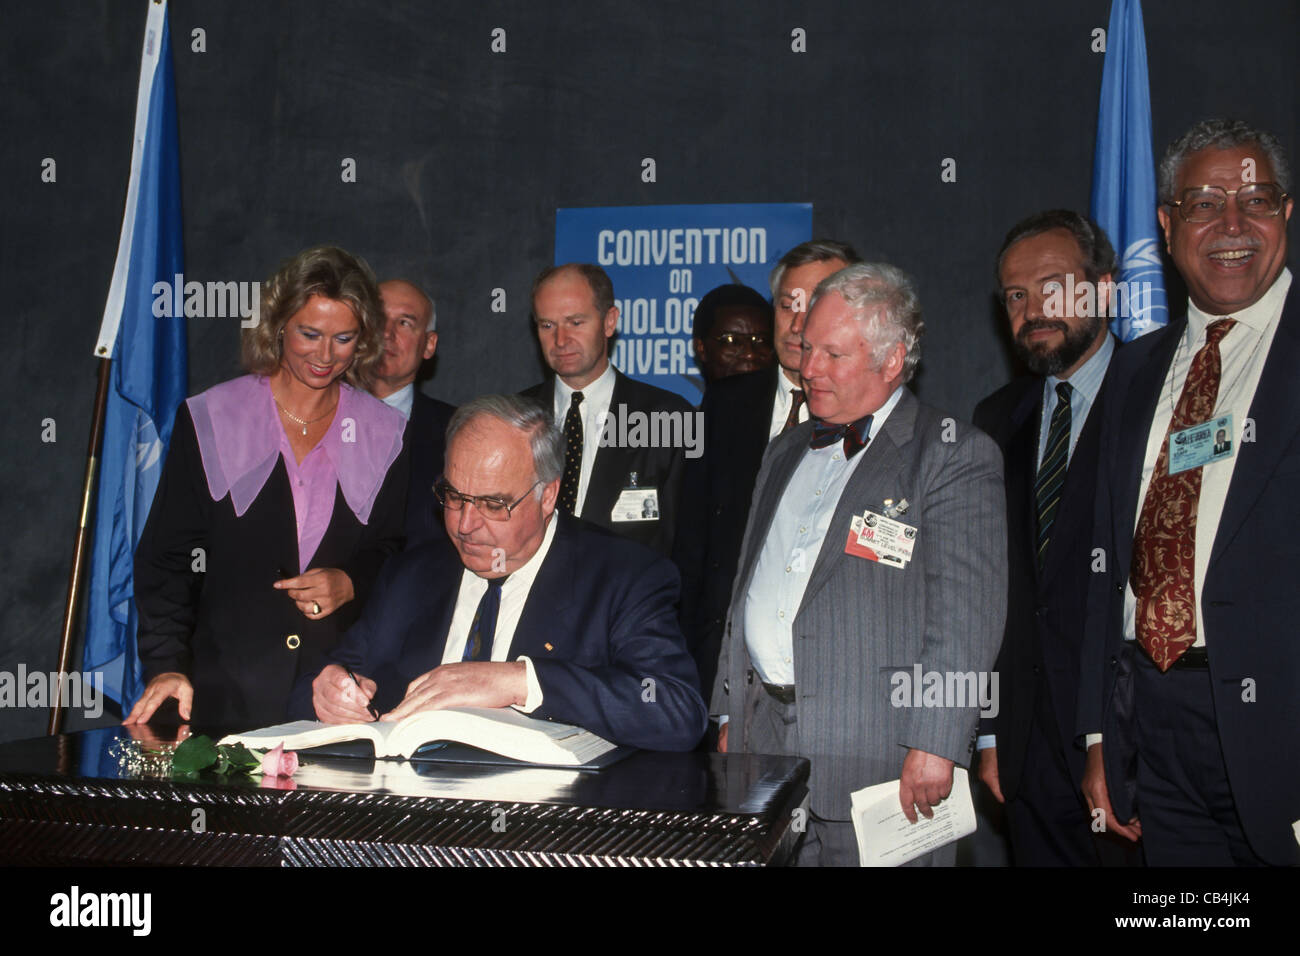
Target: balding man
{"points": [[613, 426], [410, 339], [529, 609]]}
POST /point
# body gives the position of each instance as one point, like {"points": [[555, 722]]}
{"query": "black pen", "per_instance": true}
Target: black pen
{"points": [[373, 713]]}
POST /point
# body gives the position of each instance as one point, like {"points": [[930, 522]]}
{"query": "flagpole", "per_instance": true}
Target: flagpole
{"points": [[77, 574]]}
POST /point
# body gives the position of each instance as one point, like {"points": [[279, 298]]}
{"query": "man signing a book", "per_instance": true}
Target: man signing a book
{"points": [[524, 608]]}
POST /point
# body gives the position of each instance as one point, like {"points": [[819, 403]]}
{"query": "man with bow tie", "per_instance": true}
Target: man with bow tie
{"points": [[844, 589]]}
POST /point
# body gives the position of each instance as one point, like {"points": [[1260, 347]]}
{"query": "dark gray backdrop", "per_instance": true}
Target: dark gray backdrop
{"points": [[463, 155]]}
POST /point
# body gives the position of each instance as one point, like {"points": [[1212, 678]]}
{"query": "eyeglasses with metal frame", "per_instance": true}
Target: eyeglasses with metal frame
{"points": [[759, 340], [1206, 203], [491, 507]]}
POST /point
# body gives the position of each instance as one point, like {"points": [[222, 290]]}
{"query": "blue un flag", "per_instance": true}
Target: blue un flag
{"points": [[149, 369], [1124, 176]]}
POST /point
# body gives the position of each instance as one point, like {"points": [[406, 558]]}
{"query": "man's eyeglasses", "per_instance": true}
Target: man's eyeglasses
{"points": [[759, 340], [1206, 203], [489, 506]]}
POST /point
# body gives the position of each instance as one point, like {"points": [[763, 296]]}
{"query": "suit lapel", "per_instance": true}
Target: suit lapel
{"points": [[605, 483], [881, 461], [1137, 413], [1275, 410], [758, 420], [548, 600], [428, 640]]}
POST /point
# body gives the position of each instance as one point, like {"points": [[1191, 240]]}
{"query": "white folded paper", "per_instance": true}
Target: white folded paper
{"points": [[886, 838]]}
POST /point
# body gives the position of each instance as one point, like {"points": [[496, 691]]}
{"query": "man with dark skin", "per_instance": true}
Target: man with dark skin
{"points": [[733, 332]]}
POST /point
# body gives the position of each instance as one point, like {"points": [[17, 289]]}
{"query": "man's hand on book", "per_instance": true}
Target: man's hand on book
{"points": [[467, 684], [337, 698]]}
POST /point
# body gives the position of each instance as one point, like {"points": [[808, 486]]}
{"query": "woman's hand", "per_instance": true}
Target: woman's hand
{"points": [[319, 592], [160, 688]]}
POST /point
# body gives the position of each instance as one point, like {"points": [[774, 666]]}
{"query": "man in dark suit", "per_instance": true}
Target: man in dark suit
{"points": [[1045, 426], [741, 415], [410, 339], [530, 610], [625, 441], [830, 618], [1190, 700]]}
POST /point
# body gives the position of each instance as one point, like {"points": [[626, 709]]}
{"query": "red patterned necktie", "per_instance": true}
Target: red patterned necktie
{"points": [[1163, 577], [796, 403]]}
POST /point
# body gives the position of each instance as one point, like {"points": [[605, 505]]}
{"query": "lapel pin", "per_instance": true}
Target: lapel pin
{"points": [[548, 646], [893, 510]]}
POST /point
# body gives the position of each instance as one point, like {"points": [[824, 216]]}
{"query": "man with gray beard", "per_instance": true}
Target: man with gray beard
{"points": [[1049, 443]]}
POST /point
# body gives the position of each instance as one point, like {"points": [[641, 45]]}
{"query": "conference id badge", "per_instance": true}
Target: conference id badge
{"points": [[872, 552], [1201, 444], [887, 535], [636, 504]]}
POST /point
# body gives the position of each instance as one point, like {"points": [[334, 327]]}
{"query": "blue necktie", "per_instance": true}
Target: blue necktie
{"points": [[481, 633]]}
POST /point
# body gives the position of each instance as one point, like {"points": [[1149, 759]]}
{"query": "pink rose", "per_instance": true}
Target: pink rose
{"points": [[279, 783], [277, 763]]}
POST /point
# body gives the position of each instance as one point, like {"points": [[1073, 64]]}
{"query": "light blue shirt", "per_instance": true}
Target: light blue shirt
{"points": [[789, 553], [403, 399], [1084, 385]]}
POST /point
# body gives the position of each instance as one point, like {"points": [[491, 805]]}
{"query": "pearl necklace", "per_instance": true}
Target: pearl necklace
{"points": [[290, 415]]}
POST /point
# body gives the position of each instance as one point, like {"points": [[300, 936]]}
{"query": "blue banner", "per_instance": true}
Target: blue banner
{"points": [[663, 259], [1124, 176], [149, 371]]}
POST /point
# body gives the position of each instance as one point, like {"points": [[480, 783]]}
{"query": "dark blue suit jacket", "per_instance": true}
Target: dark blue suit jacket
{"points": [[1045, 607], [1250, 604], [426, 438], [717, 489], [599, 624]]}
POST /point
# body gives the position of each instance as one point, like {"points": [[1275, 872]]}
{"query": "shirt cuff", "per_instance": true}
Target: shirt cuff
{"points": [[1090, 739], [985, 741], [722, 720], [534, 699]]}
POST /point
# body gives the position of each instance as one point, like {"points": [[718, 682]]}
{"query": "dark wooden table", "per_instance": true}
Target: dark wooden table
{"points": [[64, 800]]}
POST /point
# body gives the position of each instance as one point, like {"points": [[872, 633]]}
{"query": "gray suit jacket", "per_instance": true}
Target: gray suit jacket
{"points": [[862, 622]]}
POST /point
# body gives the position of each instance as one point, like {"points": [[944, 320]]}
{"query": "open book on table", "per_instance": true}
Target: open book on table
{"points": [[502, 731]]}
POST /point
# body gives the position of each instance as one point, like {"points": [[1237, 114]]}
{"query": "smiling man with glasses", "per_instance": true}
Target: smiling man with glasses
{"points": [[1190, 694], [525, 608]]}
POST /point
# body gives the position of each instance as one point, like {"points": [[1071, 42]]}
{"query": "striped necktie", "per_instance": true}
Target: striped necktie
{"points": [[1051, 473]]}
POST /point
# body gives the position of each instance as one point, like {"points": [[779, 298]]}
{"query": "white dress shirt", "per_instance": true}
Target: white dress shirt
{"points": [[1242, 354], [789, 553], [403, 399], [513, 595], [594, 409], [781, 404]]}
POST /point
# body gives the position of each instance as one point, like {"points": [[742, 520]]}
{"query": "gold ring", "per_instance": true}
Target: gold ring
{"points": [[315, 608]]}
